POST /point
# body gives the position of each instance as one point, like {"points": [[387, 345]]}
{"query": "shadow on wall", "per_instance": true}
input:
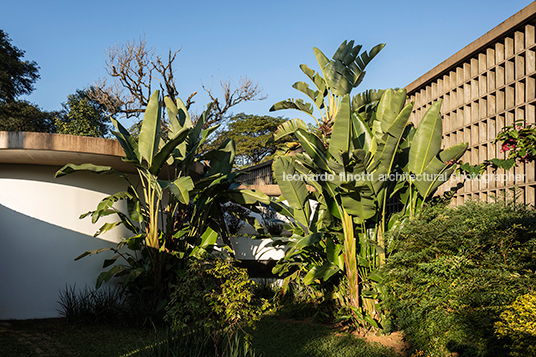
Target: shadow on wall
{"points": [[37, 261]]}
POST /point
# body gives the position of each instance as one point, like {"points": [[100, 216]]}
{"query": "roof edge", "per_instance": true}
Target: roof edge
{"points": [[504, 27]]}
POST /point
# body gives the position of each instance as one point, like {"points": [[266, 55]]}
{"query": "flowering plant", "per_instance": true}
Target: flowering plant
{"points": [[520, 140]]}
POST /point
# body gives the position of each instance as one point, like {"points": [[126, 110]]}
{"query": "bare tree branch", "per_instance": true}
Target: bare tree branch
{"points": [[133, 66], [246, 91]]}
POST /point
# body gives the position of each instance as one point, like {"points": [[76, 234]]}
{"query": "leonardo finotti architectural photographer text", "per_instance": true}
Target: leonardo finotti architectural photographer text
{"points": [[347, 177]]}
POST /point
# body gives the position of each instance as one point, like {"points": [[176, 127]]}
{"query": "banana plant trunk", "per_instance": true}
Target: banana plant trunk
{"points": [[350, 260]]}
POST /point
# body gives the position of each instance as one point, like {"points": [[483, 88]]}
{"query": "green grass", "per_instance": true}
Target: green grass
{"points": [[56, 337], [273, 337], [276, 337]]}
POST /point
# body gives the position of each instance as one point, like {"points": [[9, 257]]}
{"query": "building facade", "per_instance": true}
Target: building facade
{"points": [[484, 87]]}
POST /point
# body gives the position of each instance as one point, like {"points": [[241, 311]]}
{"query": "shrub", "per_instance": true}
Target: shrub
{"points": [[518, 323], [215, 297], [455, 270]]}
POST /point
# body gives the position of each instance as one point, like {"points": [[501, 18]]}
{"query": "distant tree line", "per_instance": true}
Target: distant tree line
{"points": [[133, 70]]}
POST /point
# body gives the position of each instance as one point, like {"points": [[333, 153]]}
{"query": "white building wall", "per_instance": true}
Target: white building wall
{"points": [[41, 235]]}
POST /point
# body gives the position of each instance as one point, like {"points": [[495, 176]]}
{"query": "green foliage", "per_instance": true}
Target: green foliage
{"points": [[519, 140], [170, 217], [251, 134], [194, 343], [17, 75], [82, 116], [216, 297], [518, 324], [235, 217], [455, 270], [21, 115], [355, 170], [90, 306]]}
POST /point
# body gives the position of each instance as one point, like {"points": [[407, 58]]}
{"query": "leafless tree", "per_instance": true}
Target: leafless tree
{"points": [[134, 67]]}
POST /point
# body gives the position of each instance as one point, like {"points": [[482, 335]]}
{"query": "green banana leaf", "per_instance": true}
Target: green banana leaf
{"points": [[290, 103], [294, 191], [181, 188], [342, 129], [70, 168], [165, 152], [128, 143], [247, 197], [149, 139], [289, 127], [426, 142], [320, 273]]}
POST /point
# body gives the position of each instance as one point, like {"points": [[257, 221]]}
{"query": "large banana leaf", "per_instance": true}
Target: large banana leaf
{"points": [[318, 81], [247, 197], [316, 96], [435, 172], [389, 107], [149, 140], [294, 191], [289, 127], [368, 97], [165, 152], [320, 273], [221, 160], [181, 188], [426, 142], [386, 152], [314, 147], [360, 204], [342, 129], [128, 143], [362, 137], [290, 103], [70, 168]]}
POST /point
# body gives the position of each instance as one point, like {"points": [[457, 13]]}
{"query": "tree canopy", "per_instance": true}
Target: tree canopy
{"points": [[21, 115], [251, 134], [17, 75], [82, 116]]}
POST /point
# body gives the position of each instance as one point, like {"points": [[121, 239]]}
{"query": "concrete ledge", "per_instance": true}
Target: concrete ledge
{"points": [[474, 47], [59, 149]]}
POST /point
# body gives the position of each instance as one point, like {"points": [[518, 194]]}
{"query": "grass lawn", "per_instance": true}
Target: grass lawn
{"points": [[273, 337]]}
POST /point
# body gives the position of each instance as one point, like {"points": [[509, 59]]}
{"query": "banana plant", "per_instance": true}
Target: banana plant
{"points": [[169, 214], [350, 167], [337, 78]]}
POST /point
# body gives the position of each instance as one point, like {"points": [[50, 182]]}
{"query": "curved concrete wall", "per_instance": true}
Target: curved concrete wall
{"points": [[40, 230], [41, 234]]}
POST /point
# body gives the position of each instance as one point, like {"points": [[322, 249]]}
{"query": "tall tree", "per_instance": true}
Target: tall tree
{"points": [[135, 72], [82, 116], [17, 75], [21, 115], [251, 134]]}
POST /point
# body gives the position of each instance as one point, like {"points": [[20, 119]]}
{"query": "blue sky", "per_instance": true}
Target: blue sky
{"points": [[267, 41]]}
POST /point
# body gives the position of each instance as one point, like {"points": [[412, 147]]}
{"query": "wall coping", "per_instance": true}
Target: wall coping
{"points": [[474, 47], [60, 149]]}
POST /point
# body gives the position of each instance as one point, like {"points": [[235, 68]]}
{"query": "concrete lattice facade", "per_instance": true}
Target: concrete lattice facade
{"points": [[485, 86]]}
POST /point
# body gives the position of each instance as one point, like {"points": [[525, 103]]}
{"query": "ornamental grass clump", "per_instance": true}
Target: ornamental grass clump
{"points": [[455, 270]]}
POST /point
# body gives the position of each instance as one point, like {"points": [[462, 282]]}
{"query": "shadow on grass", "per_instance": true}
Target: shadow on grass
{"points": [[275, 337]]}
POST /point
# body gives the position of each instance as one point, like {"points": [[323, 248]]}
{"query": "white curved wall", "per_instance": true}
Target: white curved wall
{"points": [[41, 234]]}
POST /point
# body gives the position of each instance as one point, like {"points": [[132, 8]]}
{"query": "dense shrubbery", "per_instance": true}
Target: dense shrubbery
{"points": [[216, 298], [518, 324], [455, 270]]}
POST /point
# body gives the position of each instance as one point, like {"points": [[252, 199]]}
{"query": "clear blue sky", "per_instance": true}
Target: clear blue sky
{"points": [[267, 41]]}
